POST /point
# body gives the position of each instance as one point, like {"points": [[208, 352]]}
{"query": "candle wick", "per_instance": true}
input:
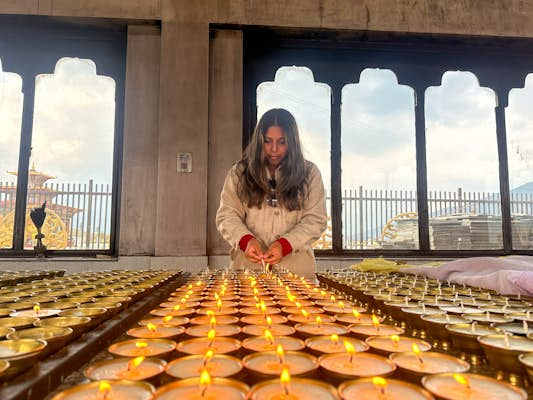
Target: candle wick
{"points": [[382, 391], [286, 389], [203, 391]]}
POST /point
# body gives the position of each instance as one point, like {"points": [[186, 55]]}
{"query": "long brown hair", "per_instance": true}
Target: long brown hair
{"points": [[292, 186]]}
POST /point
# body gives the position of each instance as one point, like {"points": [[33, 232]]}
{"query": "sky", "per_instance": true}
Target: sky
{"points": [[73, 125], [74, 122]]}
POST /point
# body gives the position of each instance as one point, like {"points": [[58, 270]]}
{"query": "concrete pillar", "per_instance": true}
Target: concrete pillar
{"points": [[225, 122], [141, 125]]}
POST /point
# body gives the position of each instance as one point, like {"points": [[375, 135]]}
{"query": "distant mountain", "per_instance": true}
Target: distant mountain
{"points": [[525, 188]]}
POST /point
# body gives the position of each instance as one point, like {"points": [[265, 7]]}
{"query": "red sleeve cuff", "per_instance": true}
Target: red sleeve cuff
{"points": [[286, 247], [244, 241]]}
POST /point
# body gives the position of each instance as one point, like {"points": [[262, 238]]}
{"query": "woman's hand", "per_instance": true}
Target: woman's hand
{"points": [[274, 254], [253, 251]]}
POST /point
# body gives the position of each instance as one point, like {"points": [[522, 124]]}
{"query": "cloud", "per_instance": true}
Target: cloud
{"points": [[10, 122]]}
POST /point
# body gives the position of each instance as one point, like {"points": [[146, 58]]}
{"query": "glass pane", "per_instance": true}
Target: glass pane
{"points": [[519, 121], [295, 90], [462, 162], [72, 156], [378, 163], [11, 99]]}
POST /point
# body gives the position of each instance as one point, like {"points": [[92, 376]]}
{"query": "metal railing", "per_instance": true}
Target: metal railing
{"points": [[368, 214], [78, 215]]}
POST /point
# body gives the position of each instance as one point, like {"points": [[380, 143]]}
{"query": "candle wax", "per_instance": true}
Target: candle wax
{"points": [[364, 389], [192, 366], [201, 345], [259, 343], [324, 344], [269, 363], [433, 363], [480, 388], [385, 343], [119, 391], [220, 330], [154, 347], [275, 329], [161, 331], [362, 364], [299, 389], [118, 369]]}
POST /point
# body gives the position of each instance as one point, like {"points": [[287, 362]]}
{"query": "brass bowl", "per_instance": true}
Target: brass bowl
{"points": [[97, 315], [81, 299], [17, 322], [111, 306], [502, 357], [4, 312], [120, 388], [4, 365], [526, 359], [77, 324], [55, 336], [4, 331], [60, 305], [21, 354]]}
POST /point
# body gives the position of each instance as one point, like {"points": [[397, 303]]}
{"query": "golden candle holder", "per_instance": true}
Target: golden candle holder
{"points": [[121, 389], [21, 354], [56, 337], [218, 365], [377, 388], [296, 388], [502, 351], [195, 389]]}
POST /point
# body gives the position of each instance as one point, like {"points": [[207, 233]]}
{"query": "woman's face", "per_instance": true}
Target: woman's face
{"points": [[275, 146]]}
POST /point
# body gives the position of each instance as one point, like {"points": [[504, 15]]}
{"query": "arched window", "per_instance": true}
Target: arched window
{"points": [[378, 163], [462, 164]]}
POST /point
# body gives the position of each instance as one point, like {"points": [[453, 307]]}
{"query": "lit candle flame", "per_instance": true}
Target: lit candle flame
{"points": [[104, 388], [285, 379], [183, 300], [356, 313], [199, 283], [375, 322], [210, 313], [269, 337], [332, 298], [350, 349], [205, 380], [318, 321], [323, 293], [305, 313], [341, 305], [335, 339], [141, 346], [134, 363], [380, 383], [212, 322], [177, 307], [211, 336], [298, 305], [263, 307], [208, 356], [36, 309], [219, 304], [167, 319], [395, 340], [151, 327], [269, 322], [217, 297], [463, 380], [416, 350], [280, 353]]}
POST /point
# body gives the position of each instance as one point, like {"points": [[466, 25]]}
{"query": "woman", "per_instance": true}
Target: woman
{"points": [[272, 207]]}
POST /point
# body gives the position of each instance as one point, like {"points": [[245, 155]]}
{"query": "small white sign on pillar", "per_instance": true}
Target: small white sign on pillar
{"points": [[185, 162]]}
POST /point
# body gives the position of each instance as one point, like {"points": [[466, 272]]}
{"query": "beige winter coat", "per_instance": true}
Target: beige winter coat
{"points": [[267, 224]]}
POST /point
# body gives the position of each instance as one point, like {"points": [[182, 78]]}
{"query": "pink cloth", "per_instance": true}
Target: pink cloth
{"points": [[509, 275]]}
